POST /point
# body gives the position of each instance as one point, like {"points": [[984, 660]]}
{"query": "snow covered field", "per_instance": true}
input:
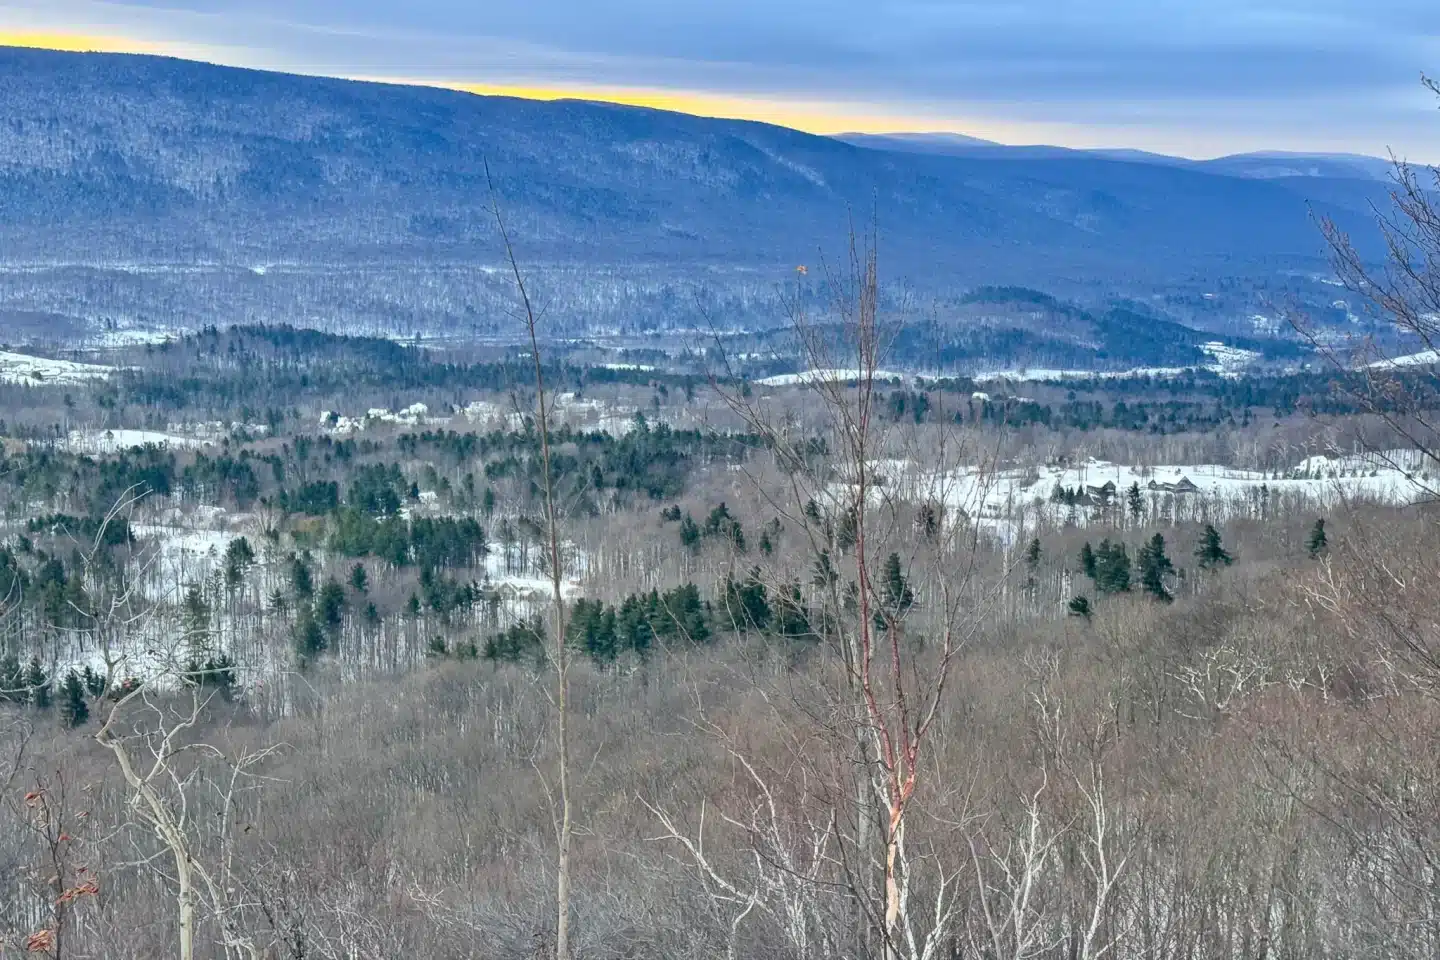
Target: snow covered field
{"points": [[1225, 360], [23, 368], [94, 442], [827, 375], [1424, 358], [1018, 499]]}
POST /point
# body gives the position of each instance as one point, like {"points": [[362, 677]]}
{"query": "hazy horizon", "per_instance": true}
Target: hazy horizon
{"points": [[1333, 76]]}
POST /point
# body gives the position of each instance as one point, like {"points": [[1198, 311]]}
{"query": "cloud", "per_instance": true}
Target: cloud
{"points": [[1205, 75]]}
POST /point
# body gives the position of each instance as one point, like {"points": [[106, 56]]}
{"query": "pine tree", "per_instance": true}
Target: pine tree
{"points": [[302, 584], [1080, 606], [1032, 565], [309, 638], [1210, 552], [74, 711], [196, 617], [1136, 501], [1112, 568], [94, 681], [898, 595], [1154, 567], [239, 557], [1317, 543], [359, 580], [38, 683], [330, 606], [689, 532], [13, 685], [1087, 560]]}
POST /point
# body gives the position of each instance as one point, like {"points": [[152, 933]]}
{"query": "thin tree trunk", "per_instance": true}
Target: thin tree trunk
{"points": [[564, 829]]}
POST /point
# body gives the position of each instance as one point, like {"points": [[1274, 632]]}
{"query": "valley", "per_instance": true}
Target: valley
{"points": [[446, 526]]}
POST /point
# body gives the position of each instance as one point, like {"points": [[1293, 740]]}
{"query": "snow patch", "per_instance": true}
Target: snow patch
{"points": [[36, 371], [825, 376], [93, 442]]}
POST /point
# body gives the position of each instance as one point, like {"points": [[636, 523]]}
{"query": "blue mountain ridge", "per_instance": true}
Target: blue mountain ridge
{"points": [[110, 157]]}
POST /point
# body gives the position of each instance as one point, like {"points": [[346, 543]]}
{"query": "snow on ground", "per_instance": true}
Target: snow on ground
{"points": [[417, 414], [826, 375], [183, 553], [1225, 360], [109, 441], [133, 337], [1424, 358], [1034, 374], [494, 416], [23, 368], [1001, 501]]}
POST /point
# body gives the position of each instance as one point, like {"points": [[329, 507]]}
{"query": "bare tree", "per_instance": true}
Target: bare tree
{"points": [[561, 655], [893, 565]]}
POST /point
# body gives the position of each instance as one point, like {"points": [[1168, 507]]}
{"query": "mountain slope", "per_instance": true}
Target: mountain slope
{"points": [[1261, 165], [124, 156]]}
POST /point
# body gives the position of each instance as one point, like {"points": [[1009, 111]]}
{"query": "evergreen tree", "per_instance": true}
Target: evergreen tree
{"points": [[792, 619], [898, 595], [1080, 606], [302, 583], [74, 711], [746, 602], [1135, 500], [689, 532], [14, 688], [309, 638], [1032, 565], [330, 606], [239, 557], [196, 617], [94, 681], [1112, 568], [1087, 560], [849, 531], [38, 683], [682, 615], [359, 580], [1154, 567], [1210, 552], [633, 626], [1317, 542]]}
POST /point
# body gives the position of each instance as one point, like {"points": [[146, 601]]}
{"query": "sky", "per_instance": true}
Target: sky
{"points": [[1197, 78]]}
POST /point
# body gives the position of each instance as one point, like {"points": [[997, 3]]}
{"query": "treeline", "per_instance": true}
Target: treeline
{"points": [[249, 365]]}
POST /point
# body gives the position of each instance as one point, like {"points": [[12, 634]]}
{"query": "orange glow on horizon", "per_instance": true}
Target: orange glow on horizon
{"points": [[74, 42], [811, 116]]}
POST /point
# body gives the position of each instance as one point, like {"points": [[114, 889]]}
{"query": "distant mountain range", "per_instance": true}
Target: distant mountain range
{"points": [[275, 189], [1263, 165]]}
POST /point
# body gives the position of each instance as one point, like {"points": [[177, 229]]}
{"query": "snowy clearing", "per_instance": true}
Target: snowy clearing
{"points": [[95, 442], [23, 368], [825, 376], [1016, 499], [1226, 360], [1424, 358]]}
